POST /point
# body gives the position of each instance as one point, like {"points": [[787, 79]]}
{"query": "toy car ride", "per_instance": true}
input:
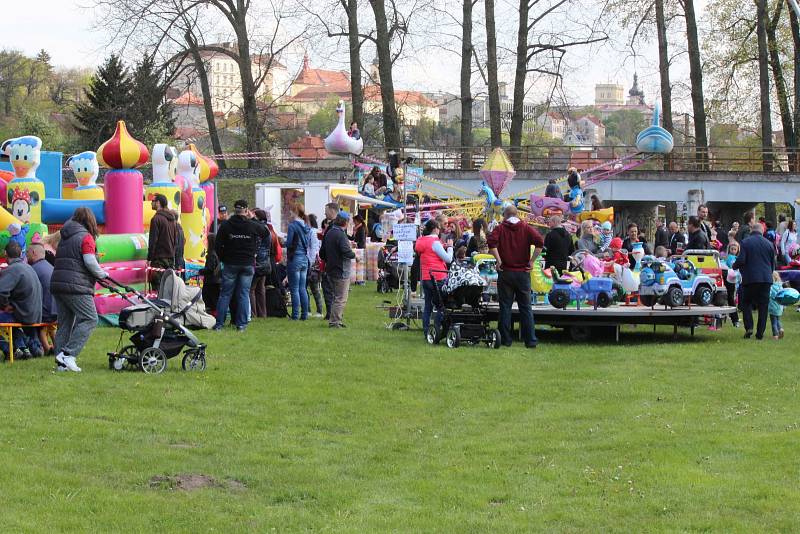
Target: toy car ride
{"points": [[708, 263], [598, 291], [671, 284]]}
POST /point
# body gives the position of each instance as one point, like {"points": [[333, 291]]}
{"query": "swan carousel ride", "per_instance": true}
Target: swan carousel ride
{"points": [[339, 142]]}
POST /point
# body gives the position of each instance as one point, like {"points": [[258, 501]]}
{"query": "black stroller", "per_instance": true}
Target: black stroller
{"points": [[159, 328], [388, 269], [464, 314]]}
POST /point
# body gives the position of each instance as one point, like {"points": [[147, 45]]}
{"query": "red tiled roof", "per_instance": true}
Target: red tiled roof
{"points": [[309, 76], [321, 93], [409, 98], [309, 147], [188, 99]]}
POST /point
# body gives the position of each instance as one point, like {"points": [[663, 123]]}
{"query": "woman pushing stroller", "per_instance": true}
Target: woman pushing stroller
{"points": [[72, 285], [433, 269]]}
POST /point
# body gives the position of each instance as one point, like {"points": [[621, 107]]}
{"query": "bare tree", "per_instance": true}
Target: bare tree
{"points": [[495, 124], [764, 84], [781, 90], [193, 48], [696, 79], [354, 42], [466, 83], [541, 50], [164, 24], [383, 40]]}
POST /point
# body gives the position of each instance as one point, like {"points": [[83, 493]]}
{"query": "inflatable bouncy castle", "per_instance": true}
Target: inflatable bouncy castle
{"points": [[39, 202]]}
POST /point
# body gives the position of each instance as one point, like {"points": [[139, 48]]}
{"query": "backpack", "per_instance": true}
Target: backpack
{"points": [[264, 255]]}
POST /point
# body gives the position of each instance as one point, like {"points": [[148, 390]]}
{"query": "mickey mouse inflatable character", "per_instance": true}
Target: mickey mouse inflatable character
{"points": [[22, 202]]}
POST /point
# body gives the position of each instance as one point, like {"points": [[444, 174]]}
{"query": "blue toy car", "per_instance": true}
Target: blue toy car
{"points": [[598, 291], [672, 283]]}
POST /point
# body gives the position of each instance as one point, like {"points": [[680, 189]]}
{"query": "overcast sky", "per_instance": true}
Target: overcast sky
{"points": [[71, 35]]}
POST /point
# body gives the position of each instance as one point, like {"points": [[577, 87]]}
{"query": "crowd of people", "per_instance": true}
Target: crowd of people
{"points": [[251, 271], [247, 272], [750, 253]]}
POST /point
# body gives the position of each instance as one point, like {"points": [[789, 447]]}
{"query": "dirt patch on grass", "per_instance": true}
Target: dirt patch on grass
{"points": [[192, 482]]}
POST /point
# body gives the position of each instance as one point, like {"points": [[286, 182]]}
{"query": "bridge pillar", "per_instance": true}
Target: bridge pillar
{"points": [[694, 198], [771, 212]]}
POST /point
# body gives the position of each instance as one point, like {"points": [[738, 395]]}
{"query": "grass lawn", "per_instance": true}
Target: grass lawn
{"points": [[366, 429]]}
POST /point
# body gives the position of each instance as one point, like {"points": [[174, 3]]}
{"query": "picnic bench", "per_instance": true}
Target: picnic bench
{"points": [[7, 330]]}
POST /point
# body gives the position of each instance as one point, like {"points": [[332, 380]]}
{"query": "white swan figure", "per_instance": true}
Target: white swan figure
{"points": [[338, 141]]}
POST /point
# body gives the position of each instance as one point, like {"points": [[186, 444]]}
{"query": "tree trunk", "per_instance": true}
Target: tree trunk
{"points": [[795, 26], [696, 78], [466, 85], [356, 91], [202, 77], [495, 128], [517, 109], [391, 124], [254, 137], [789, 134], [663, 70], [763, 84]]}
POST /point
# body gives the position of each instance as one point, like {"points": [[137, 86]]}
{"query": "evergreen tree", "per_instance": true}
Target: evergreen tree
{"points": [[150, 116], [108, 100]]}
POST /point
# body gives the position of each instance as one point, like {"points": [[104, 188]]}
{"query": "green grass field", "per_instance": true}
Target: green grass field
{"points": [[366, 429]]}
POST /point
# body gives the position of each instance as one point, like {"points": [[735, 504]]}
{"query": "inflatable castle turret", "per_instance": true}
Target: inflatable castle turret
{"points": [[123, 154]]}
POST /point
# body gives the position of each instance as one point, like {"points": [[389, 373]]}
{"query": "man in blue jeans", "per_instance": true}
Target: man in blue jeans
{"points": [[237, 241], [510, 243]]}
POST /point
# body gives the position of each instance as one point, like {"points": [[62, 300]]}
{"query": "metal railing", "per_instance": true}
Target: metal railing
{"points": [[558, 158]]}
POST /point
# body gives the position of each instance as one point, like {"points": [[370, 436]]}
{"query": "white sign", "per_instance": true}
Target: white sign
{"points": [[405, 252], [405, 232]]}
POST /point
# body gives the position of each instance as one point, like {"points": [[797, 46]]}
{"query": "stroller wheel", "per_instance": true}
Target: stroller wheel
{"points": [[453, 337], [126, 359], [494, 339], [153, 360], [194, 360], [433, 335]]}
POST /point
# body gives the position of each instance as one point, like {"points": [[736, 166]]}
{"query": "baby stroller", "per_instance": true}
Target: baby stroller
{"points": [[159, 327], [388, 269], [464, 317]]}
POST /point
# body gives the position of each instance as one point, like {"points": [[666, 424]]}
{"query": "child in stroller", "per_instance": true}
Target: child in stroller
{"points": [[464, 317], [159, 327], [388, 268]]}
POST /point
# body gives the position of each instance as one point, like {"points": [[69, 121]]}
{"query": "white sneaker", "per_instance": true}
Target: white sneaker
{"points": [[318, 315], [68, 362]]}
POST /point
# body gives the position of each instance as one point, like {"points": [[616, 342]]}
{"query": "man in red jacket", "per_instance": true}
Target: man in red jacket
{"points": [[510, 243]]}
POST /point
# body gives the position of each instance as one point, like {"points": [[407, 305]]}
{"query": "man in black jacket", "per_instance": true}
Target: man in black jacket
{"points": [[662, 235], [702, 219], [756, 263], [236, 245], [698, 239], [331, 209], [338, 256], [558, 245], [162, 240]]}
